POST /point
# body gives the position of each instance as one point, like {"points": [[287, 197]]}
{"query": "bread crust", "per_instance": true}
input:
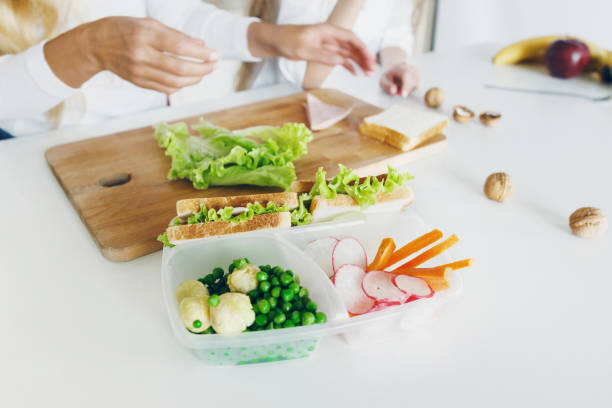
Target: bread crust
{"points": [[208, 229], [344, 200], [288, 199]]}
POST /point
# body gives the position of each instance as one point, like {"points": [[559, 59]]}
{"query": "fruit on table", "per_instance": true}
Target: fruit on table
{"points": [[233, 313], [434, 97], [499, 187], [567, 58], [534, 49], [462, 114], [588, 222], [490, 118]]}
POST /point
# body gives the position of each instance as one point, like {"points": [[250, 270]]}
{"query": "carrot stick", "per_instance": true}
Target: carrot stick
{"points": [[464, 263], [430, 253], [436, 277], [414, 246], [385, 249]]}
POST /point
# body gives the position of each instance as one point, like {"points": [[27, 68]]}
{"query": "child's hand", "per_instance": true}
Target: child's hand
{"points": [[401, 79]]}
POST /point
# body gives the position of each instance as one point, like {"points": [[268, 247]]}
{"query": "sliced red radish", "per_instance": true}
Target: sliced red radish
{"points": [[320, 250], [379, 286], [348, 251], [378, 306], [347, 280], [414, 287]]}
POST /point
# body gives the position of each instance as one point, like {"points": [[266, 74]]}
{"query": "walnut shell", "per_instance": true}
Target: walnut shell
{"points": [[434, 97], [462, 114], [588, 222], [499, 187], [490, 118]]}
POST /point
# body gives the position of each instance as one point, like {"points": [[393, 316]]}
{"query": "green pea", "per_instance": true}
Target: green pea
{"points": [[303, 292], [210, 330], [308, 318], [298, 304], [277, 311], [213, 300], [286, 307], [289, 272], [295, 288], [264, 286], [296, 317], [262, 276], [270, 326], [276, 291], [197, 324], [253, 294], [240, 263], [218, 273], [255, 308], [277, 270], [311, 306], [267, 268], [320, 317], [288, 324], [261, 320], [263, 306], [274, 281], [285, 279], [208, 279], [287, 295], [296, 279], [280, 318], [272, 301]]}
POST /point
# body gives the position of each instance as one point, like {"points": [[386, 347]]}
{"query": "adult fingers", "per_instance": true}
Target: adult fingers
{"points": [[409, 81], [182, 67], [356, 48], [175, 42], [164, 79], [387, 84], [349, 66]]}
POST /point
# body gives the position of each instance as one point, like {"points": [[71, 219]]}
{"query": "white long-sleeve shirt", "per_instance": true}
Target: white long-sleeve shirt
{"points": [[28, 86], [380, 24]]}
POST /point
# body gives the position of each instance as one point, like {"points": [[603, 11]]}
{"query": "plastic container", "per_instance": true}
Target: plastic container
{"points": [[194, 259]]}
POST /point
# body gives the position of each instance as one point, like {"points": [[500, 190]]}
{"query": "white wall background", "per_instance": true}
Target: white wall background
{"points": [[464, 22]]}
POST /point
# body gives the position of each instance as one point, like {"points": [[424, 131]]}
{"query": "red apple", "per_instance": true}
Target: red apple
{"points": [[567, 58]]}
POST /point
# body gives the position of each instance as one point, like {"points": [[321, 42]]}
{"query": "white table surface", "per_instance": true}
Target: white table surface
{"points": [[532, 327]]}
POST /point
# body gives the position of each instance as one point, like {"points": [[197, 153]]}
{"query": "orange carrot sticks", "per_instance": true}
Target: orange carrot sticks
{"points": [[385, 250], [430, 253], [437, 277], [413, 246], [464, 263]]}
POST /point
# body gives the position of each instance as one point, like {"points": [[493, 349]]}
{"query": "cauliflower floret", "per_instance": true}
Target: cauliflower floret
{"points": [[233, 314], [195, 313], [190, 288], [243, 280]]}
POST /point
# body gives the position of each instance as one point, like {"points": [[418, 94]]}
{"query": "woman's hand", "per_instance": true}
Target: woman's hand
{"points": [[323, 43], [400, 79], [142, 51]]}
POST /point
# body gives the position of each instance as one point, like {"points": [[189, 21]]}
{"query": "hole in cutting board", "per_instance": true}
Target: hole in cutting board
{"points": [[115, 180]]}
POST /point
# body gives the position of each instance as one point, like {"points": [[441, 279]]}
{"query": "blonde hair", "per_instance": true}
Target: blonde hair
{"points": [[24, 23]]}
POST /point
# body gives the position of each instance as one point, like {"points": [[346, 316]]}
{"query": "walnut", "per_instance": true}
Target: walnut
{"points": [[499, 187], [462, 114], [588, 222], [489, 118], [434, 97]]}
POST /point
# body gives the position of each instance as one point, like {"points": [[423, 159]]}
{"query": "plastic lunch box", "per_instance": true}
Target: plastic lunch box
{"points": [[194, 259]]}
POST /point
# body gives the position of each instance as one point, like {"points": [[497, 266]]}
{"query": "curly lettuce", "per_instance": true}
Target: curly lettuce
{"points": [[260, 156], [227, 213]]}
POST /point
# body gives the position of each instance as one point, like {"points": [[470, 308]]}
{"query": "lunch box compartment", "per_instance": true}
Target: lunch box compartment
{"points": [[195, 259]]}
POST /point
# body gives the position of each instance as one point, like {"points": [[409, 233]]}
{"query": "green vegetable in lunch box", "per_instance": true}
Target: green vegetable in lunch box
{"points": [[225, 214], [221, 157], [247, 298]]}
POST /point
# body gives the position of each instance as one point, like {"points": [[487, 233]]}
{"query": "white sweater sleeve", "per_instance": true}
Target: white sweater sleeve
{"points": [[223, 31], [399, 30], [29, 86]]}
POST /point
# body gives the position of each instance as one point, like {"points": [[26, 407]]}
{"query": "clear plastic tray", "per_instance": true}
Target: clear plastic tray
{"points": [[194, 259]]}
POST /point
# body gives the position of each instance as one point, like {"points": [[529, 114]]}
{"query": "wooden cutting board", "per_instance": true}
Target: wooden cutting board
{"points": [[118, 183]]}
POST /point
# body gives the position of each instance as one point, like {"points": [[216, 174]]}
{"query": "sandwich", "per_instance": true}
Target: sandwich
{"points": [[404, 127], [207, 217], [320, 200]]}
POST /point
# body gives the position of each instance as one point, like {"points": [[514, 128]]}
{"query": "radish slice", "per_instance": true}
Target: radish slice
{"points": [[348, 251], [379, 286], [320, 250], [414, 287], [378, 306], [347, 280]]}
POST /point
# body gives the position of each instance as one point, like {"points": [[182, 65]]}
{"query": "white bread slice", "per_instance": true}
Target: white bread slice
{"points": [[404, 127], [186, 207], [209, 229], [323, 209], [323, 115]]}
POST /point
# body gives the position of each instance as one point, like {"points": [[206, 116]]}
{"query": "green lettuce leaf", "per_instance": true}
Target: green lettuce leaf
{"points": [[301, 215], [163, 238], [225, 214], [220, 157]]}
